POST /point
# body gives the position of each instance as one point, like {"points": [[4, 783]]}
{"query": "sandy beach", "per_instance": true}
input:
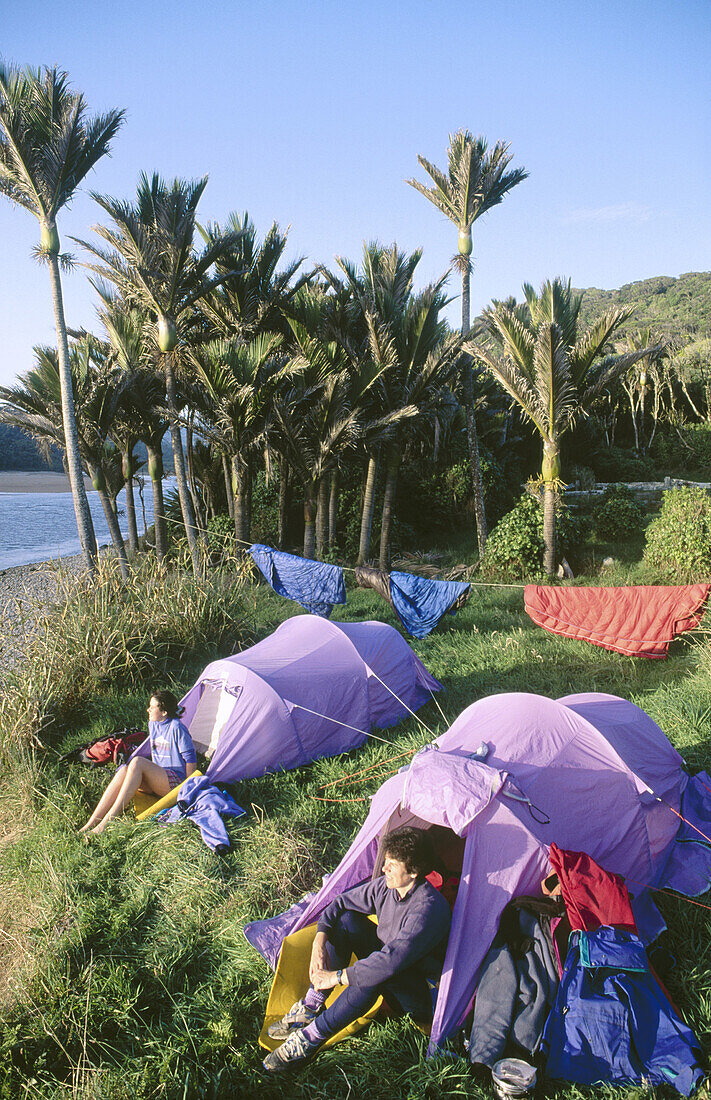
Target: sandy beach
{"points": [[35, 481]]}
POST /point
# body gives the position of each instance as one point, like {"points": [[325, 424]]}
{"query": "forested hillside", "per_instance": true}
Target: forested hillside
{"points": [[678, 308], [19, 452]]}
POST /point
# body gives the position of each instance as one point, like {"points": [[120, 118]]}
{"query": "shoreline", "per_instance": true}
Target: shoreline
{"points": [[37, 481]]}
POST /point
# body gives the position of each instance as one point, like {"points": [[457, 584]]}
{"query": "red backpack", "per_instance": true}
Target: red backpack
{"points": [[117, 747]]}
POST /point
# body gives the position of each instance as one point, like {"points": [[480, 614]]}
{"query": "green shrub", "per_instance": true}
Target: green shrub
{"points": [[679, 449], [583, 475], [679, 538], [515, 546], [618, 515], [616, 464], [264, 519]]}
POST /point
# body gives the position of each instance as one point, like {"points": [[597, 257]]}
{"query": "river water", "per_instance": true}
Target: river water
{"points": [[42, 526]]}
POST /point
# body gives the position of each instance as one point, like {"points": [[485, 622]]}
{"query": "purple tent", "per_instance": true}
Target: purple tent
{"points": [[312, 688], [587, 772]]}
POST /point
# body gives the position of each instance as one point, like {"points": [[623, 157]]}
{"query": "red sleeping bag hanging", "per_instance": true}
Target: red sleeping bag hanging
{"points": [[639, 620]]}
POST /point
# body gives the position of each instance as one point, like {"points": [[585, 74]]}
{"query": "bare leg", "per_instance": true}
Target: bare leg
{"points": [[140, 773], [107, 799]]}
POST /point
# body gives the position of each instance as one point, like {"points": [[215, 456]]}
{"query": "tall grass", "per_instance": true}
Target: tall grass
{"points": [[110, 633]]}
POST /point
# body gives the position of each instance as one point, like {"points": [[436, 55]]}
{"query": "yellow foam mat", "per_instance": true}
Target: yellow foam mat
{"points": [[291, 982], [147, 805]]}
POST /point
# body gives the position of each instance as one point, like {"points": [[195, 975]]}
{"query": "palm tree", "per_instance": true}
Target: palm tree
{"points": [[47, 147], [313, 422], [406, 349], [651, 373], [144, 404], [552, 372], [128, 330], [35, 406], [255, 294], [477, 180], [152, 261], [240, 381]]}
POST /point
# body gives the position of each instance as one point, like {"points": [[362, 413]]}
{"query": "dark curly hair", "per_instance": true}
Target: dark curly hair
{"points": [[167, 702], [413, 847]]}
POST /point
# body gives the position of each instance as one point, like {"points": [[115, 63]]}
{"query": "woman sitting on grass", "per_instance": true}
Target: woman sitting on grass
{"points": [[173, 758]]}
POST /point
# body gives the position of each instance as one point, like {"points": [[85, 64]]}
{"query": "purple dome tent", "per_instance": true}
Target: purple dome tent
{"points": [[591, 772], [312, 688]]}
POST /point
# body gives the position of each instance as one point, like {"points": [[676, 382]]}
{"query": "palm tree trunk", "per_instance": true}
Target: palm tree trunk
{"points": [[393, 465], [186, 505], [85, 527], [140, 481], [366, 519], [322, 517], [309, 518], [155, 470], [198, 509], [99, 482], [549, 529], [240, 479], [283, 501], [333, 508], [550, 472], [472, 438], [228, 486], [127, 470]]}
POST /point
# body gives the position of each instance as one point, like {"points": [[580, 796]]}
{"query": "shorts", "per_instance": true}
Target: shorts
{"points": [[174, 778]]}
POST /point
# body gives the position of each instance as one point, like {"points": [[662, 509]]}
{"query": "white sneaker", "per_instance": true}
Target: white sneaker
{"points": [[298, 1016]]}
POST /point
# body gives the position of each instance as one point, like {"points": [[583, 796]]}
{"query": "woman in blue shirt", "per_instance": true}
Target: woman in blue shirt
{"points": [[172, 759]]}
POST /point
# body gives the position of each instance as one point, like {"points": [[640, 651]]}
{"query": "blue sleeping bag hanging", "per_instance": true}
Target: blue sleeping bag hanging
{"points": [[315, 585], [421, 602]]}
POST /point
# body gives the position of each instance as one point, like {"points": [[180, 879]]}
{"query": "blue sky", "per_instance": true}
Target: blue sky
{"points": [[313, 113]]}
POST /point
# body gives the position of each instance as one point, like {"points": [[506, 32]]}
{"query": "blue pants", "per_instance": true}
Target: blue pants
{"points": [[408, 990]]}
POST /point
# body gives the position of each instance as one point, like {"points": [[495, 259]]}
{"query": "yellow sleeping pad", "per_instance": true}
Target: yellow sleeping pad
{"points": [[147, 805], [291, 982]]}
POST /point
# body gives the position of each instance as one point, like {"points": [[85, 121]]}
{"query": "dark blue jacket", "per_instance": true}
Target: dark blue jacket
{"points": [[413, 930], [612, 1022]]}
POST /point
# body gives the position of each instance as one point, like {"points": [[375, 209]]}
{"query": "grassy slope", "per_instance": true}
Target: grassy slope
{"points": [[126, 973]]}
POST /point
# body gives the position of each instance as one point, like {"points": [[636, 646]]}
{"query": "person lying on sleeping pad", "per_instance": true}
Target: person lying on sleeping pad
{"points": [[401, 957]]}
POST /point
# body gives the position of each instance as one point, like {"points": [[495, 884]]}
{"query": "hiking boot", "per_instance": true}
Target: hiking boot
{"points": [[298, 1016], [296, 1050]]}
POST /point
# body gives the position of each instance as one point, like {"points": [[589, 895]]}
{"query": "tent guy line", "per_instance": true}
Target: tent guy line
{"points": [[682, 818], [404, 704], [340, 722]]}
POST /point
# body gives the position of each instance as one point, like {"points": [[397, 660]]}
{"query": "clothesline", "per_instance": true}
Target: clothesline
{"points": [[352, 569], [635, 620]]}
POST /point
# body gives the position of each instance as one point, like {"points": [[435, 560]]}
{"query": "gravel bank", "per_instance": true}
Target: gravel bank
{"points": [[25, 590]]}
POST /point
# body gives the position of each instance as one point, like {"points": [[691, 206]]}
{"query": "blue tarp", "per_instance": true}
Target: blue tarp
{"points": [[421, 602], [313, 584]]}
